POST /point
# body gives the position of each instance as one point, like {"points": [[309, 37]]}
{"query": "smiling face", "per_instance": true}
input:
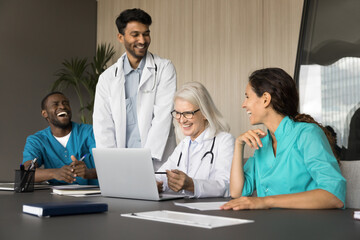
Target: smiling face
{"points": [[136, 40], [255, 106], [190, 127], [57, 111]]}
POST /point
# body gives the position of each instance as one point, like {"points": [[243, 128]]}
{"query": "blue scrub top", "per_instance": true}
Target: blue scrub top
{"points": [[304, 161], [50, 153]]}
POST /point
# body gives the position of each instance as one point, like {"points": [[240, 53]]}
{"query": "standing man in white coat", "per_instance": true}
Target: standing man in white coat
{"points": [[134, 97]]}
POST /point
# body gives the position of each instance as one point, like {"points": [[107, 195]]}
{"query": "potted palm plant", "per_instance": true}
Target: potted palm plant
{"points": [[74, 74]]}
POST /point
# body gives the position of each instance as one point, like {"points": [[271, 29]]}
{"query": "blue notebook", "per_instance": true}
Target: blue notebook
{"points": [[64, 208]]}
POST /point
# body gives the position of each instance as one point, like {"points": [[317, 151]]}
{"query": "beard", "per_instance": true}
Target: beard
{"points": [[62, 125], [132, 52]]}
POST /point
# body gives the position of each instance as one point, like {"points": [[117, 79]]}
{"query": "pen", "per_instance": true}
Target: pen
{"points": [[25, 181], [160, 172], [31, 166], [83, 157]]}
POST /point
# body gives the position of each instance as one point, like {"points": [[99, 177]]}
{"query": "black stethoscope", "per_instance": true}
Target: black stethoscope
{"points": [[154, 83], [208, 152]]}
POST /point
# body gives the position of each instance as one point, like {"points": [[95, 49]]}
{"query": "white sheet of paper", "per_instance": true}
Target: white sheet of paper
{"points": [[81, 195], [73, 187], [188, 219], [202, 206], [85, 195]]}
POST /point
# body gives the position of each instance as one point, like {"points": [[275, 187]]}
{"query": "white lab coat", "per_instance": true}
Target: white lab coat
{"points": [[210, 180], [154, 104]]}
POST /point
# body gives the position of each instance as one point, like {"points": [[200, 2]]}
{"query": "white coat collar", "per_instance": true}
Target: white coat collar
{"points": [[205, 135], [148, 70], [127, 67]]}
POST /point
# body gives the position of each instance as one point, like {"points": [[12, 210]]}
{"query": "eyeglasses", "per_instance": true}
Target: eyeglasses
{"points": [[187, 115]]}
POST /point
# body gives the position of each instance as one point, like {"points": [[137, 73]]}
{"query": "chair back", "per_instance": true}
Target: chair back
{"points": [[351, 172]]}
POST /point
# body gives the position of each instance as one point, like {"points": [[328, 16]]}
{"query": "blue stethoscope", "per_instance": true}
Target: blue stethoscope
{"points": [[154, 83], [208, 152]]}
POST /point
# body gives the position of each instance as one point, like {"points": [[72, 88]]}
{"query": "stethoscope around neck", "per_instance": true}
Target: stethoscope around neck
{"points": [[154, 82], [205, 154]]}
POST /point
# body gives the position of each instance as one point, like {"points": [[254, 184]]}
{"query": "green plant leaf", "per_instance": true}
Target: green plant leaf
{"points": [[74, 74]]}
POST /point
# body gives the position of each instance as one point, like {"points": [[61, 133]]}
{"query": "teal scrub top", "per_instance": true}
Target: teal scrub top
{"points": [[50, 153], [304, 161]]}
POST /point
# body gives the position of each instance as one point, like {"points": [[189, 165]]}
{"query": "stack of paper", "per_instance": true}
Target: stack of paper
{"points": [[357, 215], [76, 190], [202, 206], [189, 219]]}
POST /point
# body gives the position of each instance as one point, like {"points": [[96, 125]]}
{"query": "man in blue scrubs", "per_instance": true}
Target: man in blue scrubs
{"points": [[59, 146]]}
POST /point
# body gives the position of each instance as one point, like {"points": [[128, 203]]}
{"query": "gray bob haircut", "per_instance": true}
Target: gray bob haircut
{"points": [[196, 94]]}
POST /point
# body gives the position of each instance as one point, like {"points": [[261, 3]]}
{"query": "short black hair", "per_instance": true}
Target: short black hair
{"points": [[129, 15], [43, 102]]}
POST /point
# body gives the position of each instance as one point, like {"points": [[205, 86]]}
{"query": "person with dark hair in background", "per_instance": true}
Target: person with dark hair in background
{"points": [[64, 148], [135, 95], [293, 165], [336, 149], [353, 150]]}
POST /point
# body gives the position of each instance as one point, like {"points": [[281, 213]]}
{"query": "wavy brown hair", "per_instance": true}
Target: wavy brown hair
{"points": [[284, 97], [309, 119]]}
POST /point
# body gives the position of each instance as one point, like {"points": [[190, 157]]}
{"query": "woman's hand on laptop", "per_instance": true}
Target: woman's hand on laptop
{"points": [[159, 186]]}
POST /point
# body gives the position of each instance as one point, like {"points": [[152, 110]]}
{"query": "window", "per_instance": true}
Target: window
{"points": [[328, 69]]}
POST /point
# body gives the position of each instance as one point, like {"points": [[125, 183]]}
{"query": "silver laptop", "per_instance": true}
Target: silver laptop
{"points": [[127, 173]]}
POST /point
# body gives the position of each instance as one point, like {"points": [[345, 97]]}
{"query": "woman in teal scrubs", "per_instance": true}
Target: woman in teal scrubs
{"points": [[293, 165]]}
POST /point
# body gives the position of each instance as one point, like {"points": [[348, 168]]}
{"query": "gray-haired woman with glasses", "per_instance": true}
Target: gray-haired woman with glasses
{"points": [[200, 164]]}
